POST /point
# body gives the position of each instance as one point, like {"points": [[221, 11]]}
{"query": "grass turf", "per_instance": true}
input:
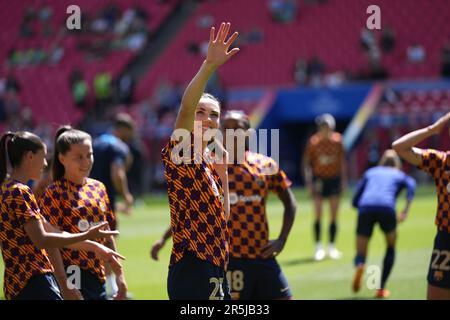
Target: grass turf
{"points": [[308, 280]]}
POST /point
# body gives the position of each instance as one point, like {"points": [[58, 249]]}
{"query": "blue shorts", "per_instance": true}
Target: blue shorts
{"points": [[439, 269], [260, 279], [369, 217], [91, 287], [40, 287], [194, 279]]}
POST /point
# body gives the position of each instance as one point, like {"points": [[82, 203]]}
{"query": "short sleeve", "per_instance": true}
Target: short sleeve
{"points": [[109, 213], [181, 152], [278, 182], [432, 161], [120, 154]]}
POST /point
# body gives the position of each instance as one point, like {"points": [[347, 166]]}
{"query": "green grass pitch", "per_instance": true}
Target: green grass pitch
{"points": [[308, 280]]}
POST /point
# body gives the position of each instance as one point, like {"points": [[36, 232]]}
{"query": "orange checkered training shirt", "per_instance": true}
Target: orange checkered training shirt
{"points": [[325, 155], [75, 208], [249, 187], [437, 164], [21, 257], [196, 207]]}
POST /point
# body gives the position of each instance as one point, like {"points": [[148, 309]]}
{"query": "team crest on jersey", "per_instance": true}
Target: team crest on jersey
{"points": [[83, 225], [233, 198]]}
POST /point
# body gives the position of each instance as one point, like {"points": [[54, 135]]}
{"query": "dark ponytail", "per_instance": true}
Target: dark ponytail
{"points": [[13, 147], [65, 137]]}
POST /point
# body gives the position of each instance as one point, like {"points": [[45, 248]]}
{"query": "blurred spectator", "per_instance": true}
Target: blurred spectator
{"points": [[255, 35], [45, 14], [26, 26], [367, 39], [334, 79], [56, 53], [125, 88], [79, 88], [110, 14], [301, 72], [388, 40], [416, 53], [377, 71], [205, 21], [193, 48], [2, 86], [12, 105], [27, 119], [283, 10], [102, 89], [315, 71], [35, 56], [3, 115], [445, 60], [12, 83]]}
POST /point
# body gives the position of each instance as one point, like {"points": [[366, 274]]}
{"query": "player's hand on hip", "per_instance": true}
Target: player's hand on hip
{"points": [[272, 249], [219, 45]]}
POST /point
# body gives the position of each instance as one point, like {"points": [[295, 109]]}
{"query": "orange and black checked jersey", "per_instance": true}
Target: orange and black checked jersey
{"points": [[75, 208], [325, 155], [437, 164], [249, 185], [21, 257], [197, 215]]}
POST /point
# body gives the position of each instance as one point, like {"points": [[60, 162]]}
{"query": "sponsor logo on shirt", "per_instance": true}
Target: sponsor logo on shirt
{"points": [[234, 198]]}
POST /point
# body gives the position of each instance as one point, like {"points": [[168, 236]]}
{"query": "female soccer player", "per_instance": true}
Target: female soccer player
{"points": [[197, 188], [437, 164], [325, 177], [74, 203], [375, 198], [253, 272], [24, 234]]}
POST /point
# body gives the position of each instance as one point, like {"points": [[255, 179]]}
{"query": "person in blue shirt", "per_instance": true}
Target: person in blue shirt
{"points": [[112, 160], [375, 198]]}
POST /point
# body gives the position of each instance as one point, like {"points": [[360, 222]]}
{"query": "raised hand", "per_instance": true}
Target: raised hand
{"points": [[218, 48], [437, 127]]}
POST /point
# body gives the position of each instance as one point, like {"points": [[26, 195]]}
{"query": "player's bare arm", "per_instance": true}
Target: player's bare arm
{"points": [[290, 207], [158, 245], [405, 146], [222, 170], [218, 54], [60, 274]]}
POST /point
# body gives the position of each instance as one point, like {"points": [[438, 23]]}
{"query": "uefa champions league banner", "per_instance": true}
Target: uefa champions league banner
{"points": [[305, 104], [356, 103]]}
